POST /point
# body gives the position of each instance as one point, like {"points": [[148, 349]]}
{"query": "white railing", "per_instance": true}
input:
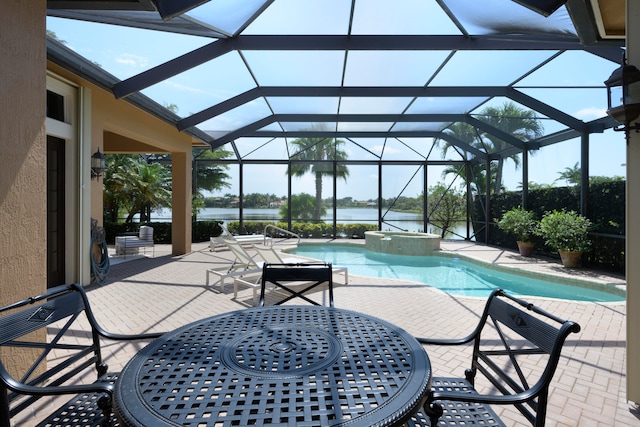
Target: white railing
{"points": [[281, 230]]}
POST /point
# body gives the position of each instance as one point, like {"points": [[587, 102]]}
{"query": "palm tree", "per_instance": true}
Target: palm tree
{"points": [[118, 181], [515, 121], [572, 176], [154, 189], [135, 186], [302, 208], [466, 133], [317, 154], [210, 176], [478, 178], [508, 118]]}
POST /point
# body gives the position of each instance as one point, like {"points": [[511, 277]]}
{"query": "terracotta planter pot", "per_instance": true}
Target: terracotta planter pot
{"points": [[571, 259], [525, 248]]}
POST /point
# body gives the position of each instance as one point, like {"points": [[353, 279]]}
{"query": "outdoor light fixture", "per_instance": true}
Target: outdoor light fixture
{"points": [[543, 7], [622, 86], [97, 165]]}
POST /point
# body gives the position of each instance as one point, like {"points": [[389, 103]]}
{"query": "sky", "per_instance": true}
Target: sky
{"points": [[125, 52]]}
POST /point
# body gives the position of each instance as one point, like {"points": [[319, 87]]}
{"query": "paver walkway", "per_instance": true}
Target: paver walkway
{"points": [[165, 292]]}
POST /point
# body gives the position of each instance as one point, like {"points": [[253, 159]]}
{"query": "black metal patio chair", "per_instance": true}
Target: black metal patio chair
{"points": [[516, 348], [70, 363], [295, 280]]}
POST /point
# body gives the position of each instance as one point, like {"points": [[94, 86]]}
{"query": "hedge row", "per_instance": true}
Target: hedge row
{"points": [[305, 229], [200, 230], [605, 209], [203, 230]]}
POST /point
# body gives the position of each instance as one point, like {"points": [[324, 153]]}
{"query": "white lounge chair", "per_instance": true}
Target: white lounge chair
{"points": [[243, 266], [246, 239], [130, 245], [271, 256]]}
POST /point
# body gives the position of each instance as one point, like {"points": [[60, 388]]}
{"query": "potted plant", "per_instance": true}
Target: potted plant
{"points": [[521, 223], [566, 232]]}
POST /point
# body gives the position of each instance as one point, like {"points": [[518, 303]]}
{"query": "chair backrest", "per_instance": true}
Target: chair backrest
{"points": [[243, 259], [57, 311], [268, 255], [295, 280], [146, 233], [520, 352], [226, 234]]}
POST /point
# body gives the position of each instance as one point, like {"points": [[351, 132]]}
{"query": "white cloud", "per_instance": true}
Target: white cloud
{"points": [[132, 60], [591, 113], [387, 150], [185, 88]]}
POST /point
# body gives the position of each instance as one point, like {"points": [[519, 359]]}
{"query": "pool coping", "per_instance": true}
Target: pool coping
{"points": [[519, 265]]}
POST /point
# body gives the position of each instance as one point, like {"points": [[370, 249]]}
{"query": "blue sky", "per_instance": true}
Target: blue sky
{"points": [[125, 52]]}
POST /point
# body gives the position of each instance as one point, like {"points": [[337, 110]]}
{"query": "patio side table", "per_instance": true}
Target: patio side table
{"points": [[280, 365]]}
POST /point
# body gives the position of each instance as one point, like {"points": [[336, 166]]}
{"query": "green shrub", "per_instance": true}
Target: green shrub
{"points": [[565, 231], [201, 231], [519, 222]]}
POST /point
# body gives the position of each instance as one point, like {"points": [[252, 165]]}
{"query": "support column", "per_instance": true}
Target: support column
{"points": [[425, 198], [487, 202], [584, 173], [23, 175], [380, 195], [632, 250], [335, 200], [181, 203], [525, 179], [241, 229]]}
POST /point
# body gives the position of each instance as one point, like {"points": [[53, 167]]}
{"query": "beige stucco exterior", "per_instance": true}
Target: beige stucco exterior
{"points": [[632, 225], [116, 126], [95, 120], [23, 148]]}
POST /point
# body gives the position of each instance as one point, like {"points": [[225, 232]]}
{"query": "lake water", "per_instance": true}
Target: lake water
{"points": [[392, 220]]}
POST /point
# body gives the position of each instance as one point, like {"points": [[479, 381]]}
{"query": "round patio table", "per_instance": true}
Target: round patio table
{"points": [[277, 366]]}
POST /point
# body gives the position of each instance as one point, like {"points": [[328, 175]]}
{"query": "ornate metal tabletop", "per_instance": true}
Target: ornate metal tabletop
{"points": [[281, 366]]}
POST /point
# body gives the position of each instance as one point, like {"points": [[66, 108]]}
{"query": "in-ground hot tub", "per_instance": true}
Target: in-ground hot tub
{"points": [[401, 242]]}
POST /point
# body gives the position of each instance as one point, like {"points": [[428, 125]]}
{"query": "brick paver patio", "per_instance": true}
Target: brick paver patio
{"points": [[165, 292]]}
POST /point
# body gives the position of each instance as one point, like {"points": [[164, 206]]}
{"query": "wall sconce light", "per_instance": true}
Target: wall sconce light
{"points": [[97, 165], [622, 85]]}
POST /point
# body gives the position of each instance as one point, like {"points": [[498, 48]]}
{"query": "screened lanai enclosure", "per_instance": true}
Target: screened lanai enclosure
{"points": [[371, 101]]}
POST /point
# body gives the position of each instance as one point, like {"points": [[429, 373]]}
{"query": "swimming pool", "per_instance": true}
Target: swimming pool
{"points": [[452, 275]]}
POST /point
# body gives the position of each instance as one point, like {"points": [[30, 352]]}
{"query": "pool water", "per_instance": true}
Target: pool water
{"points": [[451, 275]]}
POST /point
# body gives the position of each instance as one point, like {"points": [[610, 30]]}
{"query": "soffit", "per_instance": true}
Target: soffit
{"points": [[610, 17]]}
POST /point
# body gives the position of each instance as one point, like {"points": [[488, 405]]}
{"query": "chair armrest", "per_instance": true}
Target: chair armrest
{"points": [[247, 283], [54, 390], [446, 341], [511, 399], [126, 337], [103, 332]]}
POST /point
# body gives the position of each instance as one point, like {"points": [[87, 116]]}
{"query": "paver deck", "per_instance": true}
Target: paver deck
{"points": [[165, 292]]}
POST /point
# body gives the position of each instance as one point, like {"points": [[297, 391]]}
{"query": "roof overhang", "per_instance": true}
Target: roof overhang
{"points": [[64, 57]]}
